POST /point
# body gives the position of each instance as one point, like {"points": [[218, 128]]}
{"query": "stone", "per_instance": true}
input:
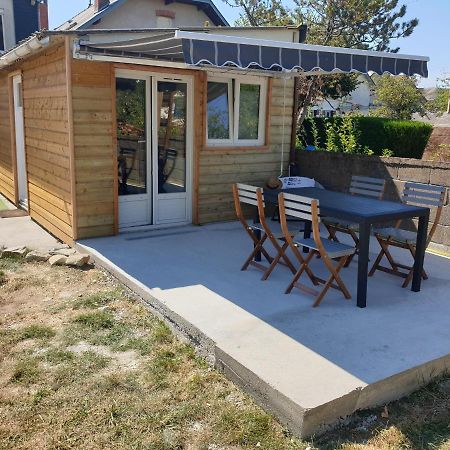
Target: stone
{"points": [[64, 252], [15, 251], [77, 260], [60, 247], [37, 256], [57, 260]]}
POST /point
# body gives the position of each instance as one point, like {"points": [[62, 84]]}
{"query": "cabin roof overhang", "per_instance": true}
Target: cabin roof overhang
{"points": [[205, 49]]}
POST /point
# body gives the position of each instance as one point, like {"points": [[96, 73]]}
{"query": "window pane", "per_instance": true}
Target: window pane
{"points": [[218, 111], [131, 136], [249, 111], [172, 101]]}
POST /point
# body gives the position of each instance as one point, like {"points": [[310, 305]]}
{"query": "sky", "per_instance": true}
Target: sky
{"points": [[430, 38]]}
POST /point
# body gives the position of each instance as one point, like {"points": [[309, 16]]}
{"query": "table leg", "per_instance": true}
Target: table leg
{"points": [[306, 233], [363, 262], [421, 245]]}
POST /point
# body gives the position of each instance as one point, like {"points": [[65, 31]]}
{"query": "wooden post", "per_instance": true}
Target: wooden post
{"points": [[72, 168]]}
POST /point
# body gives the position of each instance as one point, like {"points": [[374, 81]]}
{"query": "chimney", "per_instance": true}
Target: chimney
{"points": [[43, 15], [100, 4]]}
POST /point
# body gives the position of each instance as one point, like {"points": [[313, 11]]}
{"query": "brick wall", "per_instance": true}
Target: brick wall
{"points": [[334, 171]]}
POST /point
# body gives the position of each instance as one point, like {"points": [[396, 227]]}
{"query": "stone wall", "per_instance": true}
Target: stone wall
{"points": [[334, 171]]}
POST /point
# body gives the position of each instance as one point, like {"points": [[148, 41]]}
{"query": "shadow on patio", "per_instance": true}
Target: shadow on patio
{"points": [[396, 319]]}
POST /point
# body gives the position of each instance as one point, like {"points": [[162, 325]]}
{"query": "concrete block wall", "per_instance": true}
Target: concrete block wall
{"points": [[334, 171]]}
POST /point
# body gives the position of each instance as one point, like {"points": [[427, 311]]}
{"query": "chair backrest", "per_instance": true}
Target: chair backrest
{"points": [[423, 194], [305, 208], [428, 195], [244, 194], [367, 186]]}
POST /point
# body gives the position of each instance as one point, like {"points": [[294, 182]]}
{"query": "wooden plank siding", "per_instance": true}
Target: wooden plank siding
{"points": [[47, 141], [7, 184], [93, 104], [220, 168]]}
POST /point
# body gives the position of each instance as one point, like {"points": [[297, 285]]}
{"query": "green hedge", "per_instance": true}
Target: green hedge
{"points": [[405, 138]]}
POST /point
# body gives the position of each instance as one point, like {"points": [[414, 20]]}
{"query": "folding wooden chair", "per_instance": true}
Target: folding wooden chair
{"points": [[365, 186], [308, 209], [275, 235], [259, 232], [417, 194]]}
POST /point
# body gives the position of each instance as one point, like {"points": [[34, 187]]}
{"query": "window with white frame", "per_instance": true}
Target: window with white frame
{"points": [[236, 111]]}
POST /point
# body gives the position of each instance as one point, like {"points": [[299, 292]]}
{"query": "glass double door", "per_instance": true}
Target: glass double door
{"points": [[153, 150]]}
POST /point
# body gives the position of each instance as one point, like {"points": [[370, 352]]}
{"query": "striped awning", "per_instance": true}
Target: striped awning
{"points": [[223, 51]]}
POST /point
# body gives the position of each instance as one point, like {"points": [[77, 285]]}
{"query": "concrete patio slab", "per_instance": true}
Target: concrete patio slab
{"points": [[22, 231], [310, 366]]}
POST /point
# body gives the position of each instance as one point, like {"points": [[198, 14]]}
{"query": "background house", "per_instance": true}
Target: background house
{"points": [[132, 14], [19, 19], [360, 100]]}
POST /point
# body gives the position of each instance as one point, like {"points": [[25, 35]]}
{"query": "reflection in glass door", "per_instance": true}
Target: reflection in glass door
{"points": [[171, 114], [132, 152], [154, 145]]}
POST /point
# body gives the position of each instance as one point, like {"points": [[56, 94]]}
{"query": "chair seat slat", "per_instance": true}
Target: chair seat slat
{"points": [[420, 201], [247, 187], [298, 214], [297, 198], [298, 206], [364, 192], [371, 187], [424, 187], [423, 194]]}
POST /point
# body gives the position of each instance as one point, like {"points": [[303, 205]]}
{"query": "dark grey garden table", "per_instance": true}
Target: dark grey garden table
{"points": [[366, 212]]}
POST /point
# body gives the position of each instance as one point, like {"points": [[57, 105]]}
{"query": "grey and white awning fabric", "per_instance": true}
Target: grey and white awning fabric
{"points": [[224, 51]]}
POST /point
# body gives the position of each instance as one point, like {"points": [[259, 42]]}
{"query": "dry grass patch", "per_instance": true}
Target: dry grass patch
{"points": [[83, 365]]}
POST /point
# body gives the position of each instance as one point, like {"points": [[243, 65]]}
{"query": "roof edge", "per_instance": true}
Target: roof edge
{"points": [[30, 46]]}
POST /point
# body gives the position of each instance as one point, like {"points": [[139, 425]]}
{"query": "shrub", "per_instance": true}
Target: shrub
{"points": [[403, 138]]}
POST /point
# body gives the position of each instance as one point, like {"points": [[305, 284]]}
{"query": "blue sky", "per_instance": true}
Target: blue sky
{"points": [[431, 37]]}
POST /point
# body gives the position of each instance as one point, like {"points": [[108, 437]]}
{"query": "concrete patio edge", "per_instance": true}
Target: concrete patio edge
{"points": [[301, 421]]}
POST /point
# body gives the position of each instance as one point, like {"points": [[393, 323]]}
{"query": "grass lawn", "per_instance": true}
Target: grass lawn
{"points": [[85, 366]]}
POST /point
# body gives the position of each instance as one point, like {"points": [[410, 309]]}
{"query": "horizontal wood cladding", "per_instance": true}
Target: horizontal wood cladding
{"points": [[220, 168], [47, 141], [7, 186], [94, 128]]}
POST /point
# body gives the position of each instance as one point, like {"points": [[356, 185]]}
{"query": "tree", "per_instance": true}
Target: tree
{"points": [[363, 24], [398, 97], [441, 103]]}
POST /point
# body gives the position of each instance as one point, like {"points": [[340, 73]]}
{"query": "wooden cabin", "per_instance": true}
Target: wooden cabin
{"points": [[106, 131]]}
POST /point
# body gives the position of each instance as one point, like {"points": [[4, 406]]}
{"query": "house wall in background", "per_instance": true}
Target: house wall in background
{"points": [[142, 14], [9, 29]]}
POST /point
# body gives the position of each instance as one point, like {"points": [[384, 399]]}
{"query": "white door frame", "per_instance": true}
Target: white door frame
{"points": [[158, 199], [152, 195], [141, 200], [19, 127]]}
